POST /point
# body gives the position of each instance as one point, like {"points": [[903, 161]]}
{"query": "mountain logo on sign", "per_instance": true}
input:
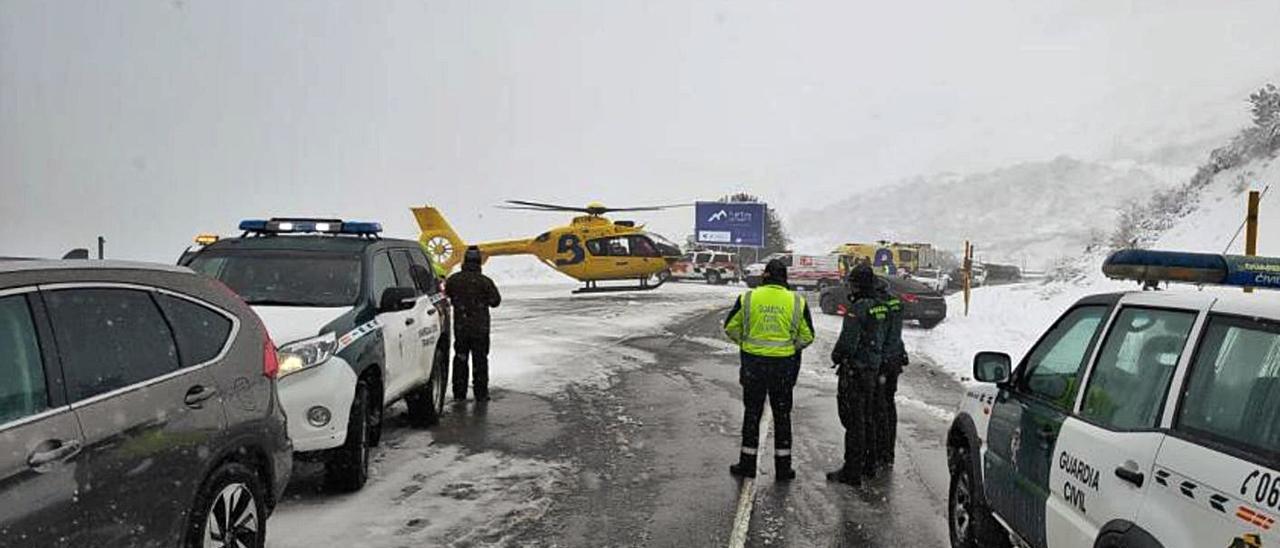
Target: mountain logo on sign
{"points": [[737, 216]]}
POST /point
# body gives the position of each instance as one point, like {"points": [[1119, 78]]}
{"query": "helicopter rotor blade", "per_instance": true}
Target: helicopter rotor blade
{"points": [[547, 207], [648, 208], [542, 209]]}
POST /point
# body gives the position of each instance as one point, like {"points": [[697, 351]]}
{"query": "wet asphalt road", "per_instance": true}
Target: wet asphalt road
{"points": [[642, 459], [653, 449]]}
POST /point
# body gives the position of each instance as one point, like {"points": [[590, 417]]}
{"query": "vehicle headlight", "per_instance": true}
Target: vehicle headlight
{"points": [[299, 355]]}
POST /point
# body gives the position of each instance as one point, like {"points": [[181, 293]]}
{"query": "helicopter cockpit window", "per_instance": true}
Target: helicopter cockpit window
{"points": [[642, 247], [610, 247]]}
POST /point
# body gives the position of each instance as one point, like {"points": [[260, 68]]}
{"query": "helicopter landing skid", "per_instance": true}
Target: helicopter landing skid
{"points": [[592, 287]]}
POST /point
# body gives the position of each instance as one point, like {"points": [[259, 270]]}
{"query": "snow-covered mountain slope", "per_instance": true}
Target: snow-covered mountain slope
{"points": [[1033, 211], [1011, 318], [1220, 211]]}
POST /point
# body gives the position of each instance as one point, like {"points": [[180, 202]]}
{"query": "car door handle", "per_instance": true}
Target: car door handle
{"points": [[431, 311], [408, 321], [1131, 476], [198, 394], [61, 451]]}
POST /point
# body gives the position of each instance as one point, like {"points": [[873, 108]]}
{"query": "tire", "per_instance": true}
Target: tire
{"points": [[827, 303], [969, 522], [347, 467], [1110, 540], [241, 490], [426, 403], [929, 324], [713, 278]]}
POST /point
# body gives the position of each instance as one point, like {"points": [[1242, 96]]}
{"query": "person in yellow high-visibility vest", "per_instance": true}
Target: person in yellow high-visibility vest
{"points": [[771, 325]]}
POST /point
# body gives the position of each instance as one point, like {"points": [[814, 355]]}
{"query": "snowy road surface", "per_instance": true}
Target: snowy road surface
{"points": [[613, 423]]}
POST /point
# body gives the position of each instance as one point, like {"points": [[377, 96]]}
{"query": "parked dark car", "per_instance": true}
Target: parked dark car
{"points": [[920, 302], [137, 408]]}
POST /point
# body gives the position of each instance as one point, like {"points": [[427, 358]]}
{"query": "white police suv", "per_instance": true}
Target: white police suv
{"points": [[361, 322], [1141, 419]]}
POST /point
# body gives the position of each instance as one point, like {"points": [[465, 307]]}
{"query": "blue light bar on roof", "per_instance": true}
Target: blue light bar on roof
{"points": [[1199, 268], [361, 227], [310, 226]]}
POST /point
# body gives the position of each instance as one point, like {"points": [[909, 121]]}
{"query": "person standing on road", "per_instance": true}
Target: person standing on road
{"points": [[771, 325], [472, 294], [857, 356], [885, 414]]}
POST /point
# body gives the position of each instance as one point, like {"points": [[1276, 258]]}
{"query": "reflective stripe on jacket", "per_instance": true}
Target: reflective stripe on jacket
{"points": [[769, 321]]}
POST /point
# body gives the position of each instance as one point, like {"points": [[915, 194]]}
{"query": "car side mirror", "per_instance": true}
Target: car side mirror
{"points": [[395, 299], [422, 278], [993, 367]]}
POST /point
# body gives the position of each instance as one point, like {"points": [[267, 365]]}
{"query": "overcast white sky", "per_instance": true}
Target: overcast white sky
{"points": [[150, 121]]}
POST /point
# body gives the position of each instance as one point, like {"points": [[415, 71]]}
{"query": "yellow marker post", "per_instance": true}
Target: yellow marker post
{"points": [[968, 274], [1251, 228]]}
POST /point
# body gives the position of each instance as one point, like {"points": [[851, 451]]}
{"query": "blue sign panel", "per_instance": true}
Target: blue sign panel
{"points": [[730, 223]]}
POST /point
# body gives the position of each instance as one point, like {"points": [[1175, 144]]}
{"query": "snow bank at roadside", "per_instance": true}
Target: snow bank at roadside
{"points": [[1006, 319]]}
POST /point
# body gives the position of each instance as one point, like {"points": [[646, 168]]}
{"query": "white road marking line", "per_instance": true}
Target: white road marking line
{"points": [[747, 496]]}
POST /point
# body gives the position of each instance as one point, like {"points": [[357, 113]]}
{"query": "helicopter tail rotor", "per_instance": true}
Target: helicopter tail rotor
{"points": [[440, 241]]}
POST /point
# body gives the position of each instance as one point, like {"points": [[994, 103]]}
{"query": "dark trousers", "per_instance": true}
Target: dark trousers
{"points": [[767, 378], [855, 397], [885, 414], [473, 344]]}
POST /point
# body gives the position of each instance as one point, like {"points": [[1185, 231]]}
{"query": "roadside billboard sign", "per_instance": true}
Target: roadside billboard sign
{"points": [[738, 224]]}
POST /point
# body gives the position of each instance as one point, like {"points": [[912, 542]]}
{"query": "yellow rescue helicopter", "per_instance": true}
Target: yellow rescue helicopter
{"points": [[590, 249]]}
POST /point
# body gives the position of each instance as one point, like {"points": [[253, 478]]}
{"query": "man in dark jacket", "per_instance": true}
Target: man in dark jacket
{"points": [[885, 414], [472, 294], [857, 355]]}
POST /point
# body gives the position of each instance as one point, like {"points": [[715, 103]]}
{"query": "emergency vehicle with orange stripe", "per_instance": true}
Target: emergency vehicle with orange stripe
{"points": [[1139, 419]]}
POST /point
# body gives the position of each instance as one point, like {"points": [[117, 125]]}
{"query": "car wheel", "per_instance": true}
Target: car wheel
{"points": [[230, 510], [827, 303], [930, 323], [713, 278], [426, 403], [969, 522], [347, 468]]}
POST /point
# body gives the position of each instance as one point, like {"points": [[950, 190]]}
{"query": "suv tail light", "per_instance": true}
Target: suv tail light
{"points": [[910, 297], [270, 360]]}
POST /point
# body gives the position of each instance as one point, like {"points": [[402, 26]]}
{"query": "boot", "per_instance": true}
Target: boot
{"points": [[746, 467], [782, 467], [843, 475]]}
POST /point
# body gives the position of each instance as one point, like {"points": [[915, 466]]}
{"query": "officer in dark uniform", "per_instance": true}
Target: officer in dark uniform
{"points": [[885, 415], [472, 294], [772, 325], [857, 355]]}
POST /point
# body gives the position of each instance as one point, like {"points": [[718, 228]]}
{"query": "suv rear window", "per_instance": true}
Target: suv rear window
{"points": [[201, 333], [286, 278], [1232, 395]]}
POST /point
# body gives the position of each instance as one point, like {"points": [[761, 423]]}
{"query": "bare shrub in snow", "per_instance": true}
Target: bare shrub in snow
{"points": [[1141, 224]]}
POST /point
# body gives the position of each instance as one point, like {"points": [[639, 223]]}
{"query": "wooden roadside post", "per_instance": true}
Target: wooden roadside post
{"points": [[1251, 228], [968, 273]]}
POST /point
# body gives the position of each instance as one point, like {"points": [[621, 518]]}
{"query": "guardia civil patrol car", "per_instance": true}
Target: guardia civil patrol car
{"points": [[361, 322], [1140, 419]]}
